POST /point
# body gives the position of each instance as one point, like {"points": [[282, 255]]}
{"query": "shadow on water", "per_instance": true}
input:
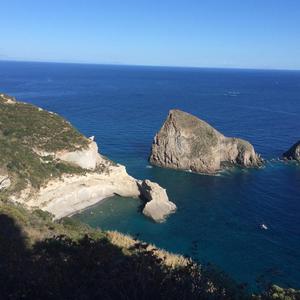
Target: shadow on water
{"points": [[220, 219], [61, 268]]}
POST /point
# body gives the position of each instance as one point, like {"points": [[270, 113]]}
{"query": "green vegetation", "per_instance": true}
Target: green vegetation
{"points": [[24, 165], [25, 129], [66, 259], [34, 127], [42, 259], [200, 129]]}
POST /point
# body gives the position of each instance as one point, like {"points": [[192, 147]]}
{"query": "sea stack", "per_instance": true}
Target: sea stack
{"points": [[158, 205], [185, 142], [293, 153]]}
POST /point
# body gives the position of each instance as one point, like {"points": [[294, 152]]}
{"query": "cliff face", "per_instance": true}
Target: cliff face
{"points": [[86, 157], [293, 153], [188, 143], [72, 193], [46, 163], [158, 205]]}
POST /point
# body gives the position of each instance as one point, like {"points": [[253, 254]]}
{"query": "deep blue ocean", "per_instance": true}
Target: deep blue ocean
{"points": [[219, 217]]}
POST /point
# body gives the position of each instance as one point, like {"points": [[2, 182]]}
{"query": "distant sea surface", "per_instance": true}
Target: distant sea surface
{"points": [[219, 218]]}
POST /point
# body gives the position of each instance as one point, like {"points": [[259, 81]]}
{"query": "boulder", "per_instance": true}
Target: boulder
{"points": [[188, 143], [5, 182], [293, 153], [158, 206]]}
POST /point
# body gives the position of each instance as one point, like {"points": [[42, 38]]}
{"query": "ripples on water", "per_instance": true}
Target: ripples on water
{"points": [[219, 218]]}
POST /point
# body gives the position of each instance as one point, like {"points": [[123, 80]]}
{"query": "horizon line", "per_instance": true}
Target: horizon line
{"points": [[150, 66]]}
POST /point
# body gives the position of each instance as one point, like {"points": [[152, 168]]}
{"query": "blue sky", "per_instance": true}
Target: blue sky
{"points": [[208, 33]]}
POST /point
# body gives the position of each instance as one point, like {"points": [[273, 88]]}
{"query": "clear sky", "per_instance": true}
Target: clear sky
{"points": [[198, 33]]}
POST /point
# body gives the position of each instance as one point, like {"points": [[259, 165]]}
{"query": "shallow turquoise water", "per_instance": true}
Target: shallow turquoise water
{"points": [[219, 217], [217, 222]]}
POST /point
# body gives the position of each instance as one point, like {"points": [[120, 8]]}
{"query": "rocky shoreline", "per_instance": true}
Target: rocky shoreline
{"points": [[84, 177]]}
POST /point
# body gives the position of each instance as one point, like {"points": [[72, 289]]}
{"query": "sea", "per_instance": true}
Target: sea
{"points": [[244, 221]]}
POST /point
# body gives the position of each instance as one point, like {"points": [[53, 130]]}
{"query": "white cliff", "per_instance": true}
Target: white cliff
{"points": [[86, 158], [73, 193]]}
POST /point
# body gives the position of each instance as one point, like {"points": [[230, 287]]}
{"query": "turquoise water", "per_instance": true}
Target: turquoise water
{"points": [[219, 217]]}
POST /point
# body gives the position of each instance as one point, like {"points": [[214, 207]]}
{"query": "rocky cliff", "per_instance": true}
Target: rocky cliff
{"points": [[188, 143], [46, 163], [158, 205], [293, 153]]}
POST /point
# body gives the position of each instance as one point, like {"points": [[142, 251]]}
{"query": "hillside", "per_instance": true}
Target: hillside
{"points": [[25, 128], [42, 259], [70, 260], [46, 163]]}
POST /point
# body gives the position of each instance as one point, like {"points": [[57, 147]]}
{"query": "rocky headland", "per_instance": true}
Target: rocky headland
{"points": [[46, 163], [293, 153], [188, 143]]}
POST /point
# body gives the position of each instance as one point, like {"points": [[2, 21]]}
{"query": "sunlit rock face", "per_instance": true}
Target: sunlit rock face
{"points": [[46, 163], [188, 143], [158, 206], [86, 158]]}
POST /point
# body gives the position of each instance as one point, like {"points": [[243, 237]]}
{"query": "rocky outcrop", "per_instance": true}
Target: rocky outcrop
{"points": [[86, 158], [277, 293], [48, 164], [71, 194], [7, 99], [293, 153], [5, 182], [158, 206], [188, 143]]}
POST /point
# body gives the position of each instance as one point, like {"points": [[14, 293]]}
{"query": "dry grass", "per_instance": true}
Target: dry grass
{"points": [[38, 225], [126, 242]]}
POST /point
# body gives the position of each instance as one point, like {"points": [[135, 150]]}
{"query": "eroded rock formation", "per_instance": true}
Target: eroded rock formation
{"points": [[188, 143], [158, 206]]}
